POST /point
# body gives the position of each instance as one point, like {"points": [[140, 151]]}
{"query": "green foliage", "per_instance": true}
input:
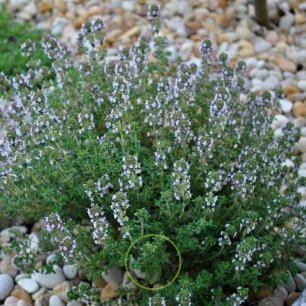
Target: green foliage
{"points": [[111, 151], [12, 36]]}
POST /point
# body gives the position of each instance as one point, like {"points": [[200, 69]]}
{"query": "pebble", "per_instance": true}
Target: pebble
{"points": [[74, 303], [49, 280], [6, 286], [302, 85], [281, 293], [286, 22], [55, 300], [286, 105], [11, 301], [299, 109], [272, 82], [29, 285], [70, 271], [292, 297], [300, 282], [113, 275], [290, 285], [279, 121], [62, 290], [271, 301], [301, 145], [301, 266], [21, 294], [109, 291], [261, 45], [6, 266]]}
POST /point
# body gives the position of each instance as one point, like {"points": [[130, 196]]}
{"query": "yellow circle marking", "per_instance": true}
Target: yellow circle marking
{"points": [[134, 280]]}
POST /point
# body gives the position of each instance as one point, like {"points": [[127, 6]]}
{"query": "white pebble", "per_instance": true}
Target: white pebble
{"points": [[29, 285], [49, 280], [286, 105], [279, 121], [302, 85], [70, 271], [6, 286], [55, 300]]}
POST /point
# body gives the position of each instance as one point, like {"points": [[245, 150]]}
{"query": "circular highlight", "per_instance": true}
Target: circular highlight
{"points": [[135, 280]]}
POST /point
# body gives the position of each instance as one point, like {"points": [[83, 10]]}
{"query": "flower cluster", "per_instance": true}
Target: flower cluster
{"points": [[181, 180], [119, 206], [61, 236], [131, 175]]}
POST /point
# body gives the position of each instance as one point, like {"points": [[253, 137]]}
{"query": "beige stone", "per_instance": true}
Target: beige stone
{"points": [[291, 89], [60, 5], [284, 63], [21, 294], [299, 109], [62, 290], [109, 291], [45, 6]]}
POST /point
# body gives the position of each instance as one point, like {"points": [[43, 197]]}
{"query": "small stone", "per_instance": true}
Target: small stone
{"points": [[290, 285], [302, 85], [55, 300], [60, 5], [271, 301], [286, 22], [279, 121], [62, 290], [281, 293], [301, 145], [39, 294], [264, 292], [6, 286], [300, 282], [286, 105], [28, 284], [302, 6], [127, 283], [45, 6], [186, 50], [11, 301], [271, 82], [300, 19], [49, 280], [23, 303], [301, 251], [113, 275], [299, 109], [74, 303], [301, 266], [21, 294], [58, 25], [100, 282], [6, 266], [292, 297], [246, 52], [285, 64], [70, 271], [244, 33], [261, 45], [291, 89], [109, 291], [272, 37]]}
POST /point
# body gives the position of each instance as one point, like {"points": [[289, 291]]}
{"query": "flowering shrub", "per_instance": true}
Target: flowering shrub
{"points": [[112, 150]]}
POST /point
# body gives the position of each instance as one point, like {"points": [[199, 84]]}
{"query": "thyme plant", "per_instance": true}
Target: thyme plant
{"points": [[109, 151]]}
